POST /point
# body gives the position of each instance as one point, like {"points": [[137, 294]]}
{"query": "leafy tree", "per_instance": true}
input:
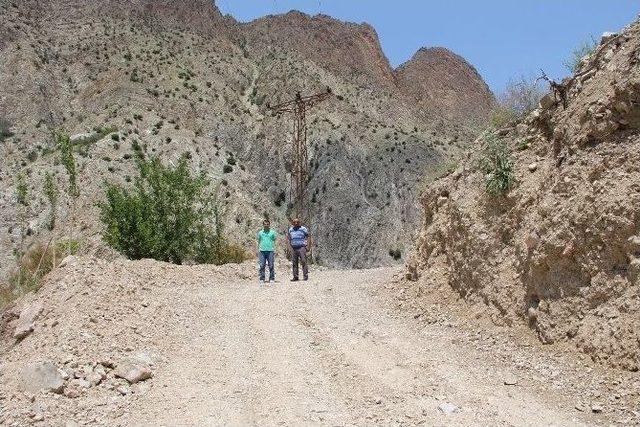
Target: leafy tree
{"points": [[168, 215]]}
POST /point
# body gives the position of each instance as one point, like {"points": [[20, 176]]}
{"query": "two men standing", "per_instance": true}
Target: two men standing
{"points": [[298, 239]]}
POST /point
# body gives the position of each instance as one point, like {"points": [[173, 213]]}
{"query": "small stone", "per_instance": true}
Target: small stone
{"points": [[596, 408], [132, 372], [26, 321], [533, 167], [123, 390], [72, 392], [448, 408]]}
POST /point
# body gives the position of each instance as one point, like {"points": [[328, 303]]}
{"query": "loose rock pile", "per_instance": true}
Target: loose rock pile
{"points": [[82, 348]]}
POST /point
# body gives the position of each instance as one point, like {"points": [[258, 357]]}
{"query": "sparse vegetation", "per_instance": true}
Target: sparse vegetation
{"points": [[439, 171], [52, 193], [585, 49], [520, 97], [497, 165], [168, 215]]}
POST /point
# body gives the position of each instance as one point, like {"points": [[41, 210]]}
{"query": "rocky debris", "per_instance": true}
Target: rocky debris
{"points": [[42, 376], [26, 322]]}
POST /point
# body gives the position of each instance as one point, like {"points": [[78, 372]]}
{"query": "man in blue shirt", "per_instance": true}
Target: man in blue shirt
{"points": [[299, 242]]}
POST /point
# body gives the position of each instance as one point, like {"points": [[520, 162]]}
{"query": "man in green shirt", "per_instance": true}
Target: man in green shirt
{"points": [[266, 250]]}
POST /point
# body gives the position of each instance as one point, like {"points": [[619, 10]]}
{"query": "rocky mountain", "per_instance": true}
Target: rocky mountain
{"points": [[176, 77], [561, 250], [441, 81]]}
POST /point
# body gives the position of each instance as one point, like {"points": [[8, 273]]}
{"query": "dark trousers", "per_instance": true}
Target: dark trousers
{"points": [[267, 257], [299, 256]]}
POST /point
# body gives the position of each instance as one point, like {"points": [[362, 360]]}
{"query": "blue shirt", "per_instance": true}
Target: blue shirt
{"points": [[298, 236]]}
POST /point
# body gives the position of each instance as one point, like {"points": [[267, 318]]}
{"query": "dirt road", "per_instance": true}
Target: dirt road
{"points": [[332, 351]]}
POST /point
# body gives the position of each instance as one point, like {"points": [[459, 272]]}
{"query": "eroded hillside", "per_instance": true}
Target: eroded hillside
{"points": [[561, 249]]}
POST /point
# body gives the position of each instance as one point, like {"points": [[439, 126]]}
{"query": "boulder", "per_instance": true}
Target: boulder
{"points": [[42, 376], [26, 321]]}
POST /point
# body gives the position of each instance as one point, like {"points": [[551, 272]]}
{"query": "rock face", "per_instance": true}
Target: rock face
{"points": [[560, 251], [442, 82], [177, 78]]}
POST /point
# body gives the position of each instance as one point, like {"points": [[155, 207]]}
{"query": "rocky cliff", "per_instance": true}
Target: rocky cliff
{"points": [[560, 251]]}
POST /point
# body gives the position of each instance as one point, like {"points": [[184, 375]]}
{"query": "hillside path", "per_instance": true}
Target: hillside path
{"points": [[331, 351]]}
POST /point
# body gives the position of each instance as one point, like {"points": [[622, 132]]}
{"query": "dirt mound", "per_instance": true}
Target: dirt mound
{"points": [[561, 250], [94, 334]]}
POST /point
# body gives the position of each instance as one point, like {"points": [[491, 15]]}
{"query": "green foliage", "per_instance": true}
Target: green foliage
{"points": [[69, 163], [22, 191], [585, 49], [497, 165], [52, 193], [167, 215]]}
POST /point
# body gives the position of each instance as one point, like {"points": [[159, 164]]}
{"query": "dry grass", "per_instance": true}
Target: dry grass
{"points": [[36, 263]]}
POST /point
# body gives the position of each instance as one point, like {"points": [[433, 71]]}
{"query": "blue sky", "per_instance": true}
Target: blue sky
{"points": [[503, 39]]}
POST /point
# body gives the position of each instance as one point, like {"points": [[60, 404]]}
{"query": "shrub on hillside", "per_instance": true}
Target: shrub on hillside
{"points": [[519, 98], [168, 215], [497, 165], [585, 49]]}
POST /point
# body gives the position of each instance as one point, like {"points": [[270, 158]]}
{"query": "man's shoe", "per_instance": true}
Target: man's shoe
{"points": [[262, 281], [306, 278], [295, 279]]}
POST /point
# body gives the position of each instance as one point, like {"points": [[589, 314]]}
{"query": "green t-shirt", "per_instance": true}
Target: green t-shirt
{"points": [[267, 240]]}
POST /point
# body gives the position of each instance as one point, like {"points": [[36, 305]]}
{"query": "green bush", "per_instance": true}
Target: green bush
{"points": [[497, 165], [168, 215]]}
